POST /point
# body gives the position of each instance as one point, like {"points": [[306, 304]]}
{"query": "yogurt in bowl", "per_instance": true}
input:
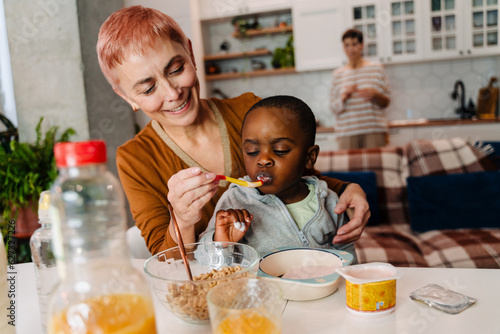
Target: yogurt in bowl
{"points": [[304, 273]]}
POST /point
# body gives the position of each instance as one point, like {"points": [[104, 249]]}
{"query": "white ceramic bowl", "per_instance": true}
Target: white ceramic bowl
{"points": [[314, 269]]}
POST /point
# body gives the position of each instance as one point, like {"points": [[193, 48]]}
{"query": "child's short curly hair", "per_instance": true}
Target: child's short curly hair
{"points": [[299, 109]]}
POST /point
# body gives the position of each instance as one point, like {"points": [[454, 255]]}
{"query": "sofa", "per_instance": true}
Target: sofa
{"points": [[434, 203]]}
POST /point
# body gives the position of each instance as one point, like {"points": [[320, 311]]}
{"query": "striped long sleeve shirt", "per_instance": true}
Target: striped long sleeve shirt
{"points": [[357, 115]]}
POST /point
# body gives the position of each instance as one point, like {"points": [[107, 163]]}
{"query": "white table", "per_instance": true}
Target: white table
{"points": [[329, 315]]}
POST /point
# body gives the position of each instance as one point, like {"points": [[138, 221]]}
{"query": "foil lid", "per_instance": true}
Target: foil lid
{"points": [[443, 299]]}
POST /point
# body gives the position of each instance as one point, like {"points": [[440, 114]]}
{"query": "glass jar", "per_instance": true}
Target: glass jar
{"points": [[99, 290], [43, 257]]}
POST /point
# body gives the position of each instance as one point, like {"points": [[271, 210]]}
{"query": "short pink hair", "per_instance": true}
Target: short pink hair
{"points": [[134, 29]]}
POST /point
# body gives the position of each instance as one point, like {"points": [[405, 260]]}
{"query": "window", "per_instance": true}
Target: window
{"points": [[7, 101]]}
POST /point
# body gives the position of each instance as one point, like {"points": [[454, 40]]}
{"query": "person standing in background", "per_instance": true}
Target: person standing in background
{"points": [[359, 93]]}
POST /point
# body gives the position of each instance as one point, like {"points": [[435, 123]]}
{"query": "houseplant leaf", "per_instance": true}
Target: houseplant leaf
{"points": [[28, 169]]}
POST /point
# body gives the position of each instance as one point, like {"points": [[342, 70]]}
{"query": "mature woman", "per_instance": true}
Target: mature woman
{"points": [[148, 60], [358, 96]]}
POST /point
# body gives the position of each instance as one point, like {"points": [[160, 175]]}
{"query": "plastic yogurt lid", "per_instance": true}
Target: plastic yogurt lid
{"points": [[369, 272]]}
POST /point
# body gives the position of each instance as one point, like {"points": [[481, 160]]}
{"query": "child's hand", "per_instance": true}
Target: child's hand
{"points": [[231, 225]]}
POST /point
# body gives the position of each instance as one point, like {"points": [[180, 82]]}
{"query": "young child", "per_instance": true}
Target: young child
{"points": [[278, 136]]}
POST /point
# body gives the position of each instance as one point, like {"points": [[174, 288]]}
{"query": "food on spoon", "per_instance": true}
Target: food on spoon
{"points": [[265, 178], [239, 182]]}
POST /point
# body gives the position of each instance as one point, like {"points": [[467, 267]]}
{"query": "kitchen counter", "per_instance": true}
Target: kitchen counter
{"points": [[426, 122]]}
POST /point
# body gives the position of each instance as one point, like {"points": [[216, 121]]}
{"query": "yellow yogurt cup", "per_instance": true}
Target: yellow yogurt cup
{"points": [[370, 288]]}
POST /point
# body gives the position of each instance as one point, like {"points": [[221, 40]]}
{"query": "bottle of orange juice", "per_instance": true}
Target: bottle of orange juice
{"points": [[99, 290]]}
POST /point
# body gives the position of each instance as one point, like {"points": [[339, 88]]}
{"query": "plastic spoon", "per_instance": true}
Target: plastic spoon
{"points": [[239, 182]]}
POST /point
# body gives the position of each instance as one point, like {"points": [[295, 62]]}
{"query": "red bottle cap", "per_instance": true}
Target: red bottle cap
{"points": [[72, 154]]}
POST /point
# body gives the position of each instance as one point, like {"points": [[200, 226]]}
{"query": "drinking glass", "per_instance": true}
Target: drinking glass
{"points": [[245, 305]]}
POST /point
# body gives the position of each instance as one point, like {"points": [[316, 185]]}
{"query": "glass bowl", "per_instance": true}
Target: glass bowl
{"points": [[211, 263]]}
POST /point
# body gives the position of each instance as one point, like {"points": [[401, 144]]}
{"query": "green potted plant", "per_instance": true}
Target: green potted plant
{"points": [[284, 57], [26, 169]]}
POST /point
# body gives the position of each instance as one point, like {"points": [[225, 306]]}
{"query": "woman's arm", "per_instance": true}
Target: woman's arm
{"points": [[148, 206], [189, 191], [148, 190], [339, 95], [378, 98], [379, 95]]}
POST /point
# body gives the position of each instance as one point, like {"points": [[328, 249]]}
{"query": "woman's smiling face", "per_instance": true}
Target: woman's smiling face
{"points": [[162, 82], [275, 151]]}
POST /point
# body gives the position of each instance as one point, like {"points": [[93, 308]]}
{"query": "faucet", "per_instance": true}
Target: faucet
{"points": [[464, 111]]}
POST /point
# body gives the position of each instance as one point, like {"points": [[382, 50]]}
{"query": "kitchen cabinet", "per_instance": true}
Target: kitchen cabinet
{"points": [[405, 33], [362, 15], [216, 9], [455, 28], [392, 30], [318, 27]]}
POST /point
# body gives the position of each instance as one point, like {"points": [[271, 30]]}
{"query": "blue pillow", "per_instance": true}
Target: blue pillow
{"points": [[469, 200], [495, 156], [368, 182]]}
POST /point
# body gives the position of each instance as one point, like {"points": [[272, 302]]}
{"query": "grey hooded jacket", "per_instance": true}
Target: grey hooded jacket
{"points": [[273, 226]]}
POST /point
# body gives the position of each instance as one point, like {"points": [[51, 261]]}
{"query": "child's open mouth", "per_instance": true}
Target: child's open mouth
{"points": [[265, 178]]}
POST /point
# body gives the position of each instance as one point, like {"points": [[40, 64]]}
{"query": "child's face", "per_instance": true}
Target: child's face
{"points": [[275, 151]]}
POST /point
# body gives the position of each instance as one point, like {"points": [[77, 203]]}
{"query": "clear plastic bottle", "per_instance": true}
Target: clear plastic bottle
{"points": [[99, 290], [43, 257]]}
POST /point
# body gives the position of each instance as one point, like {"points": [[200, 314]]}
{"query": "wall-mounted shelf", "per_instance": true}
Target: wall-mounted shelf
{"points": [[226, 56], [259, 73], [263, 31]]}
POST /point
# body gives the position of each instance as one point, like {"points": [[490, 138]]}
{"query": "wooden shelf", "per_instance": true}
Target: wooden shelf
{"points": [[225, 56], [439, 122], [259, 73], [263, 31], [425, 122]]}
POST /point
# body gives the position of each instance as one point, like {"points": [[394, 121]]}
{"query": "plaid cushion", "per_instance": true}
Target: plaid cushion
{"points": [[461, 248], [389, 166], [389, 244], [443, 156]]}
